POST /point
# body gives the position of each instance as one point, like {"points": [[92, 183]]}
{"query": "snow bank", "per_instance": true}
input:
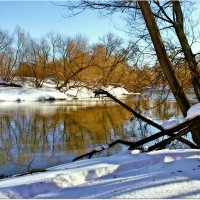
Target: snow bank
{"points": [[80, 92], [193, 112], [48, 91], [116, 91], [30, 94], [158, 174]]}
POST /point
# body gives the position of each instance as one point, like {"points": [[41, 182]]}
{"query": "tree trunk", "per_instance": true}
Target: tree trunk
{"points": [[163, 59], [71, 76], [189, 56], [165, 64]]}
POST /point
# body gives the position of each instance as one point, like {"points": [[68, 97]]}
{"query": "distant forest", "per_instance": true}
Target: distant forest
{"points": [[110, 61]]}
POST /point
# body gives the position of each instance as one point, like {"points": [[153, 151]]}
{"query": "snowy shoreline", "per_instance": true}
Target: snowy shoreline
{"points": [[49, 92], [130, 174]]}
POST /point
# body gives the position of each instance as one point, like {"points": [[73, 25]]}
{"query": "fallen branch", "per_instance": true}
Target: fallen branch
{"points": [[136, 114], [168, 132], [148, 121], [182, 129], [188, 143], [31, 172], [2, 176], [167, 141], [90, 154]]}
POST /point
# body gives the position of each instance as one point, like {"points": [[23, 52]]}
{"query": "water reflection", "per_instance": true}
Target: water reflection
{"points": [[55, 133]]}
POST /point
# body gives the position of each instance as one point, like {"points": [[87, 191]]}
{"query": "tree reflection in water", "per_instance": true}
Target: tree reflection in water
{"points": [[55, 133]]}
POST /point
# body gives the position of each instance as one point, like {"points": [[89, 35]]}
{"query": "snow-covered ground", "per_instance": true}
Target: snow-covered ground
{"points": [[82, 92], [130, 174], [30, 94], [49, 92]]}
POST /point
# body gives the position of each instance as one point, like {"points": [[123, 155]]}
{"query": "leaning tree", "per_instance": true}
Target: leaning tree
{"points": [[169, 12]]}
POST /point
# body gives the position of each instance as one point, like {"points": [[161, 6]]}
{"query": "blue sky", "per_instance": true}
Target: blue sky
{"points": [[40, 17]]}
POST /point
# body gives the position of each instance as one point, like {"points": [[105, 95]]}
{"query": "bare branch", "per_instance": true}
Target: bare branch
{"points": [[148, 121], [182, 129]]}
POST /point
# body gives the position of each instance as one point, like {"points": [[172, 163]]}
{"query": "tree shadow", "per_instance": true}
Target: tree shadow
{"points": [[158, 176]]}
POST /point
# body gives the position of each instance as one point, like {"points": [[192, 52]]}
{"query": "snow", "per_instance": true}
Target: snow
{"points": [[171, 123], [30, 94], [80, 92], [130, 174], [99, 148], [48, 91], [116, 91], [145, 148], [104, 146], [193, 111]]}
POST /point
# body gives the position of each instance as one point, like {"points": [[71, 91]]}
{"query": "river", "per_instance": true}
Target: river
{"points": [[44, 134]]}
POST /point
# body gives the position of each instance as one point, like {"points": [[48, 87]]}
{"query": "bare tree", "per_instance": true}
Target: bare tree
{"points": [[73, 56], [143, 9], [37, 59], [6, 55], [54, 63], [171, 13], [110, 54], [163, 58]]}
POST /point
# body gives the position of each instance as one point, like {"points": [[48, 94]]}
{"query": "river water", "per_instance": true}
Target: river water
{"points": [[44, 134]]}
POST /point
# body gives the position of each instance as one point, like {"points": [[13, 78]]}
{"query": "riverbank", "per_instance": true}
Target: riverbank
{"points": [[48, 92], [130, 174]]}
